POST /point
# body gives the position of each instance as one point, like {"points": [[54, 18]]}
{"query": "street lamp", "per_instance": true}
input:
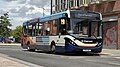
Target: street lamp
{"points": [[44, 10], [51, 7]]}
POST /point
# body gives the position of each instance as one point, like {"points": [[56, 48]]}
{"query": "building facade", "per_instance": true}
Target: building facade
{"points": [[110, 10], [62, 5]]}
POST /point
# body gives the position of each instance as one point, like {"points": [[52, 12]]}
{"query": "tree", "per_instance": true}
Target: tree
{"points": [[17, 33], [5, 25]]}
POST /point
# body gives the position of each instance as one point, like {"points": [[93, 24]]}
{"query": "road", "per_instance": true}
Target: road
{"points": [[45, 59]]}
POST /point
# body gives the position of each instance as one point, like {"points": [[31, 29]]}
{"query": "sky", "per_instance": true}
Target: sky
{"points": [[23, 10]]}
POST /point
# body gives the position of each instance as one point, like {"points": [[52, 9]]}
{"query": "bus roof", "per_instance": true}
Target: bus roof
{"points": [[32, 21], [53, 16], [70, 13]]}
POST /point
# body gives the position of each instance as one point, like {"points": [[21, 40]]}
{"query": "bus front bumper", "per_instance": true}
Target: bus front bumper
{"points": [[73, 48]]}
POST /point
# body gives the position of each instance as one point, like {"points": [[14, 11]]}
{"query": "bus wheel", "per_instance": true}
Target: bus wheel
{"points": [[53, 47], [28, 47]]}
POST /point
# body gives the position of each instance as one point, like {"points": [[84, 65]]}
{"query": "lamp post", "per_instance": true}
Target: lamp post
{"points": [[43, 11], [51, 7]]}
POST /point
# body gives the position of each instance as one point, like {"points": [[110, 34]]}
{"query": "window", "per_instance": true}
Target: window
{"points": [[40, 30], [64, 2], [24, 30], [81, 2], [29, 30], [78, 3], [62, 27], [79, 26], [37, 29], [54, 27], [94, 28], [71, 3]]}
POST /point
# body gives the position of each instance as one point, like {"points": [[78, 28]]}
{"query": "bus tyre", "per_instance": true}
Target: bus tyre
{"points": [[28, 47], [52, 49]]}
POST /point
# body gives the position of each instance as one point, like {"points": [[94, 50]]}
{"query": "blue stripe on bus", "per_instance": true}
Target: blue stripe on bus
{"points": [[53, 16]]}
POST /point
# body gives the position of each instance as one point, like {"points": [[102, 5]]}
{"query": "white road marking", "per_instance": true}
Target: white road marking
{"points": [[72, 57], [20, 61], [91, 60], [117, 57], [75, 57], [104, 56], [114, 63]]}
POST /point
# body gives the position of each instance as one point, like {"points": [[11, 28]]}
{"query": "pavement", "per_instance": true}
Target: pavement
{"points": [[7, 44], [6, 61], [111, 52]]}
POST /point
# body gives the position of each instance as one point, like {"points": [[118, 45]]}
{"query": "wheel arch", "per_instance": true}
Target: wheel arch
{"points": [[52, 43], [28, 43]]}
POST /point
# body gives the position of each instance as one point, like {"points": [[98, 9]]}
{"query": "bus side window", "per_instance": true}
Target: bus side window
{"points": [[41, 29], [63, 27], [53, 27]]}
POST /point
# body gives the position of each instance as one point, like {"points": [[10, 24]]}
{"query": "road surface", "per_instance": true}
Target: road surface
{"points": [[45, 59]]}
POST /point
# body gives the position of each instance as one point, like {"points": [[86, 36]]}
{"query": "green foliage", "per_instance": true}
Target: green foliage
{"points": [[17, 33], [4, 25]]}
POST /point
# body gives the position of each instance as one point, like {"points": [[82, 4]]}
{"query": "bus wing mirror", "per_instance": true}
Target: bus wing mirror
{"points": [[70, 32]]}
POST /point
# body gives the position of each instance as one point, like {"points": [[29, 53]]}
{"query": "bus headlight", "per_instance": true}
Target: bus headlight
{"points": [[98, 44]]}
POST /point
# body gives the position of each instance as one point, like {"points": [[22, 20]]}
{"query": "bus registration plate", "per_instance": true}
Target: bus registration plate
{"points": [[86, 50]]}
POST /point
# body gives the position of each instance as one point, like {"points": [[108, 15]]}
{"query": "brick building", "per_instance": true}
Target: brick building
{"points": [[110, 10]]}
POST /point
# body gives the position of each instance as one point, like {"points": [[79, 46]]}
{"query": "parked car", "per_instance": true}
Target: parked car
{"points": [[7, 40], [1, 39]]}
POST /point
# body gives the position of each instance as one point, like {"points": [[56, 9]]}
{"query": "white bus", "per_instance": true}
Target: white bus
{"points": [[68, 31]]}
